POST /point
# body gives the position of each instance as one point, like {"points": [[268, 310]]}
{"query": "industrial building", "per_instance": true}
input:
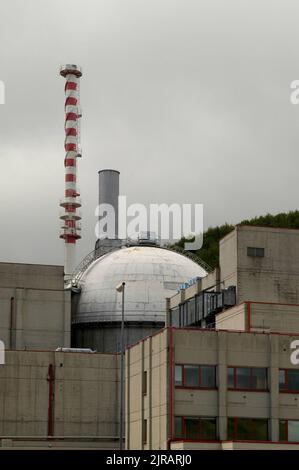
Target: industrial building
{"points": [[60, 384], [208, 351], [220, 376], [191, 388], [151, 274]]}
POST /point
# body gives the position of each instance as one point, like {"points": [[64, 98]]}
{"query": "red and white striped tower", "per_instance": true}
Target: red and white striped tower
{"points": [[70, 216]]}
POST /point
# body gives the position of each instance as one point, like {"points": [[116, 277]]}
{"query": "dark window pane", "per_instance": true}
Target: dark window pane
{"points": [[192, 428], [243, 377], [231, 428], [175, 316], [191, 376], [293, 380], [191, 311], [260, 429], [259, 378], [144, 383], [255, 251], [230, 377], [178, 426], [244, 429], [186, 313], [178, 380], [252, 429], [208, 376], [282, 430], [293, 431], [199, 307], [208, 429], [144, 431], [282, 380]]}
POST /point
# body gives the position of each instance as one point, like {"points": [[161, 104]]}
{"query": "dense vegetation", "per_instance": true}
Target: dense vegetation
{"points": [[210, 249]]}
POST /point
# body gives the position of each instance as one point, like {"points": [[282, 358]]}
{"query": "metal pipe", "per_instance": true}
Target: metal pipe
{"points": [[121, 288], [50, 406], [108, 194], [12, 322]]}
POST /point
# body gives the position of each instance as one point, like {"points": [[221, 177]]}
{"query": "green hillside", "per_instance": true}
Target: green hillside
{"points": [[210, 249]]}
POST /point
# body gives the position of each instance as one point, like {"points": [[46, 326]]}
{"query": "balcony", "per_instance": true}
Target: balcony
{"points": [[70, 201], [70, 215]]}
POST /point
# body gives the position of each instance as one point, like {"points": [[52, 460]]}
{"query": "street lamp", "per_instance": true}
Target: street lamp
{"points": [[121, 288]]}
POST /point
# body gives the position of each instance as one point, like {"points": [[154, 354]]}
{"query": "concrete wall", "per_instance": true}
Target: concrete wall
{"points": [[106, 337], [35, 310], [85, 394], [260, 316], [228, 259], [272, 278], [232, 319], [29, 276], [150, 356], [222, 349]]}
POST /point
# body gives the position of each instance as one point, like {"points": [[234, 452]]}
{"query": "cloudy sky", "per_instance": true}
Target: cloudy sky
{"points": [[188, 99]]}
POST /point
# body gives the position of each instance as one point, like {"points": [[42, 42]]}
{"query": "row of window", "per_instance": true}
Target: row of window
{"points": [[238, 378], [243, 429]]}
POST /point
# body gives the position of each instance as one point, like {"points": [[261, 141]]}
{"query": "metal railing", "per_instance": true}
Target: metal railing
{"points": [[103, 250], [86, 262], [191, 256]]}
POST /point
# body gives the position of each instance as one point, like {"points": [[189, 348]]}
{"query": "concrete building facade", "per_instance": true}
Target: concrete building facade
{"points": [[256, 264], [226, 354], [194, 389], [59, 399], [262, 262], [35, 310]]}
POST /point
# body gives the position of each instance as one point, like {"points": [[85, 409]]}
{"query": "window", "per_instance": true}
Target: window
{"points": [[289, 430], [175, 316], [144, 383], [255, 252], [195, 376], [184, 314], [144, 431], [191, 311], [247, 378], [178, 375], [191, 376], [178, 428], [196, 428], [247, 429], [208, 376], [289, 380]]}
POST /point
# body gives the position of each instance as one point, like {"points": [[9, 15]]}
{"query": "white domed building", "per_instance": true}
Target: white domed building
{"points": [[151, 274]]}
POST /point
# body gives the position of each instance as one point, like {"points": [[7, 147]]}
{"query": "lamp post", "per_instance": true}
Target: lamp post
{"points": [[121, 288]]}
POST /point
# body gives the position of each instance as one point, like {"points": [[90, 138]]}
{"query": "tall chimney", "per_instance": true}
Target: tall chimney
{"points": [[70, 229], [109, 192]]}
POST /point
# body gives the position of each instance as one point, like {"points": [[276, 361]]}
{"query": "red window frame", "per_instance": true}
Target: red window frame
{"points": [[286, 382], [235, 434], [286, 430], [199, 386], [248, 389], [199, 419]]}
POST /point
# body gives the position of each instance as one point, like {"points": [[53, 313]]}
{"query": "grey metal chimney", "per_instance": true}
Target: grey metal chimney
{"points": [[109, 191]]}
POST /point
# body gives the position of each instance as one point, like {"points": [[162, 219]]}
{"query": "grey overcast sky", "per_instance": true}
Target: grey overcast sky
{"points": [[188, 99]]}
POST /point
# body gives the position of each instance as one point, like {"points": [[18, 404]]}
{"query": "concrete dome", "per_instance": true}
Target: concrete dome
{"points": [[151, 274]]}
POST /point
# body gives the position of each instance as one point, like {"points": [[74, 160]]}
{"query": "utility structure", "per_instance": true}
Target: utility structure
{"points": [[70, 229]]}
